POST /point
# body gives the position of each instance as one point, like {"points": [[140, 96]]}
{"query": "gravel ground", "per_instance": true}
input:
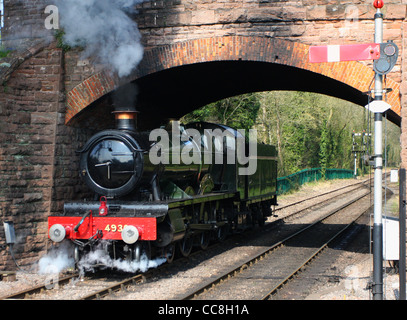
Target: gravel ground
{"points": [[356, 272], [352, 268]]}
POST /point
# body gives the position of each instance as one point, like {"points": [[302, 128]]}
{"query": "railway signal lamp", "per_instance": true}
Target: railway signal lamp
{"points": [[388, 57], [378, 4]]}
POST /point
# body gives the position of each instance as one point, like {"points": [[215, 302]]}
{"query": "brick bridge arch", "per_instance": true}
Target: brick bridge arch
{"points": [[178, 78]]}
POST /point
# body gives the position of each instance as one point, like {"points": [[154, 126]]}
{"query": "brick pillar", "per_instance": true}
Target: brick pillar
{"points": [[24, 22], [29, 102], [403, 93]]}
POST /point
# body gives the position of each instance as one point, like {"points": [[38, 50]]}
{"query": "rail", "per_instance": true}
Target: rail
{"points": [[38, 289], [213, 282], [295, 180]]}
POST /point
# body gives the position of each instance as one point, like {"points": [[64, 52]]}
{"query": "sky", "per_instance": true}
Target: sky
{"points": [[1, 9], [1, 18]]}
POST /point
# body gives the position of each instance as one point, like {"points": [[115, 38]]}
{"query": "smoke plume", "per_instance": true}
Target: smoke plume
{"points": [[125, 97], [61, 258], [100, 256], [105, 30], [58, 259]]}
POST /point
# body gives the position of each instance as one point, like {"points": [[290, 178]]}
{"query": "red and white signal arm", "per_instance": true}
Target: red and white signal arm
{"points": [[336, 53]]}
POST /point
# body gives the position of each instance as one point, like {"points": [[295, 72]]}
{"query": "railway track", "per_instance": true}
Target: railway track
{"points": [[266, 272], [121, 285], [328, 198], [26, 293], [115, 286]]}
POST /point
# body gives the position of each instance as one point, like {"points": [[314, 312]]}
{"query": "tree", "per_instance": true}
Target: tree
{"points": [[324, 152], [308, 129], [239, 112]]}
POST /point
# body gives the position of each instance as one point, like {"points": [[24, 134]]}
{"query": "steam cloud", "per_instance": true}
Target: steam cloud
{"points": [[57, 260], [105, 29], [99, 256], [61, 258]]}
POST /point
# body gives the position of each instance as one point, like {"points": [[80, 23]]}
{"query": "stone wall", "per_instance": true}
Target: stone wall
{"points": [[30, 102], [24, 23], [38, 164], [37, 154]]}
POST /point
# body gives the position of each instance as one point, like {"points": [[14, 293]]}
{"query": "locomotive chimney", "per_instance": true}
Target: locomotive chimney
{"points": [[126, 119], [124, 102]]}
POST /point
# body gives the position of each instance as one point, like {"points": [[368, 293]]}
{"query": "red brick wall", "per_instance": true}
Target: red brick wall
{"points": [[167, 22], [169, 25], [36, 154], [226, 48], [24, 22], [30, 102]]}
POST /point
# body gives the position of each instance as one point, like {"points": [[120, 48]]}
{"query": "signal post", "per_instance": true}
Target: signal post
{"points": [[377, 285], [385, 57]]}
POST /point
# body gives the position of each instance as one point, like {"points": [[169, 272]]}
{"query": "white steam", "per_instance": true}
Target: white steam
{"points": [[94, 258], [61, 258], [99, 256], [58, 259], [105, 30]]}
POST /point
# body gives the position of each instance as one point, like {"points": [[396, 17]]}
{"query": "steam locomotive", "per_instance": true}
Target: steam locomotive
{"points": [[153, 195]]}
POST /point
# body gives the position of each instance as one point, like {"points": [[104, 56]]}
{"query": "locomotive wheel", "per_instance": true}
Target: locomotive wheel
{"points": [[185, 246], [169, 252], [261, 220], [260, 217], [137, 252], [146, 249], [222, 232], [266, 209], [204, 239], [77, 255]]}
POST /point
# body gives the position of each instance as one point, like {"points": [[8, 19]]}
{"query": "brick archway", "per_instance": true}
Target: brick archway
{"points": [[353, 75]]}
